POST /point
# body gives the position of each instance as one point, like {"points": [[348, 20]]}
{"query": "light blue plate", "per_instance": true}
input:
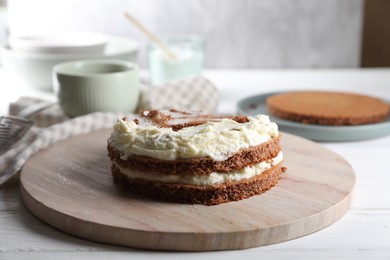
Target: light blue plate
{"points": [[257, 105]]}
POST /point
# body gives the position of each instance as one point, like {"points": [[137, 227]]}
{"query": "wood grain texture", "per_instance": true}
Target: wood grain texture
{"points": [[69, 186]]}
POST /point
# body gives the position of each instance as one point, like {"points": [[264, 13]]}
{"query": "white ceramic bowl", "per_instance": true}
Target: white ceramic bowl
{"points": [[36, 68], [61, 42]]}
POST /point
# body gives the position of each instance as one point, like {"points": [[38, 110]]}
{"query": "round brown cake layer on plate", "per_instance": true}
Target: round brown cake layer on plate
{"points": [[328, 108], [194, 194], [199, 166]]}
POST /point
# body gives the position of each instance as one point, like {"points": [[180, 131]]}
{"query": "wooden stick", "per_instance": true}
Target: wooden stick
{"points": [[151, 36]]}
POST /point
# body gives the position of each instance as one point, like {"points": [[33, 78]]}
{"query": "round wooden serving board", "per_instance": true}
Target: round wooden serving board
{"points": [[69, 186]]}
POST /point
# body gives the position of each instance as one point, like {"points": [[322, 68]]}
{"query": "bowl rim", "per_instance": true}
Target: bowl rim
{"points": [[60, 69], [127, 45], [63, 41]]}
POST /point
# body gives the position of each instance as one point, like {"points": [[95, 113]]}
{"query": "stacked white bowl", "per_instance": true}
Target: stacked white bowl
{"points": [[32, 57]]}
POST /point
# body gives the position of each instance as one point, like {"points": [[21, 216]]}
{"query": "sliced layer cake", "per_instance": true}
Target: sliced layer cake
{"points": [[193, 158]]}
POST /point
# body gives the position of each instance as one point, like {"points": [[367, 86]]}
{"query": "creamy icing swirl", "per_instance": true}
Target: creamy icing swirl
{"points": [[218, 140]]}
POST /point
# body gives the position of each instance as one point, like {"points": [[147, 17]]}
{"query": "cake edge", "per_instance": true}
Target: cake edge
{"points": [[194, 194]]}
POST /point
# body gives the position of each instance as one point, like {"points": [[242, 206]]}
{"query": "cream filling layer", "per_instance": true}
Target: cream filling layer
{"points": [[218, 140], [203, 180]]}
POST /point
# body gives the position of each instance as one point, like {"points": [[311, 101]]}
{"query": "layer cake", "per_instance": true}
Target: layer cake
{"points": [[193, 158]]}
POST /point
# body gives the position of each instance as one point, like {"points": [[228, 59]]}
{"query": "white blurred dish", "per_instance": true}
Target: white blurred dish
{"points": [[36, 68], [61, 42]]}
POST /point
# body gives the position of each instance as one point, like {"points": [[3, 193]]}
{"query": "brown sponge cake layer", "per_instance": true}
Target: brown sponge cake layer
{"points": [[328, 108], [194, 194], [199, 166]]}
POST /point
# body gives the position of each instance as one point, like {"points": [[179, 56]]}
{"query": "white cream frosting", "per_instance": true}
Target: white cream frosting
{"points": [[218, 140], [203, 180]]}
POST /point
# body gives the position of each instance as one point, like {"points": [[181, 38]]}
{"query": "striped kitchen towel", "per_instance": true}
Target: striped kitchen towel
{"points": [[51, 125], [191, 94], [37, 138]]}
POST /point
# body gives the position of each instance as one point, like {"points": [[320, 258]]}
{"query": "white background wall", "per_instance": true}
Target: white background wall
{"points": [[239, 33], [3, 21]]}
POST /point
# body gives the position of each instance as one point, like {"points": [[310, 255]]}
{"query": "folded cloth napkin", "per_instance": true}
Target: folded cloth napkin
{"points": [[52, 125], [37, 138], [194, 93]]}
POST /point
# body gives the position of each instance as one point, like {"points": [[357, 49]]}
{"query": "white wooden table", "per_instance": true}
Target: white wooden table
{"points": [[363, 233]]}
